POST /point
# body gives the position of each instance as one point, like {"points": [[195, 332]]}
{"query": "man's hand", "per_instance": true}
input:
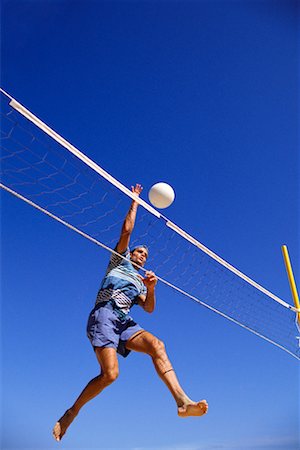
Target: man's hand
{"points": [[150, 280], [147, 302], [137, 189]]}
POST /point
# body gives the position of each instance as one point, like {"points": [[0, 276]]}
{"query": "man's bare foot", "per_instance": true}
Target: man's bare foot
{"points": [[63, 424], [193, 409]]}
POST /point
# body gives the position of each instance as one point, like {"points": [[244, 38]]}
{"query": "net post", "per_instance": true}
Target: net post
{"points": [[291, 278]]}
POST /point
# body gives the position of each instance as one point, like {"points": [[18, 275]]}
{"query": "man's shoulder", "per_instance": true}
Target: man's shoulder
{"points": [[119, 258]]}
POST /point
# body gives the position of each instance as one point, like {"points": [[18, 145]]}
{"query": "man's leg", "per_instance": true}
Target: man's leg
{"points": [[147, 343], [108, 361]]}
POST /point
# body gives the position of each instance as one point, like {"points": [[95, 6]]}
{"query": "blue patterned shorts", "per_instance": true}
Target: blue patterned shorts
{"points": [[108, 327]]}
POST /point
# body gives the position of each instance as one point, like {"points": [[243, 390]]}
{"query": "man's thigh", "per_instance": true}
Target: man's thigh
{"points": [[143, 342], [107, 358]]}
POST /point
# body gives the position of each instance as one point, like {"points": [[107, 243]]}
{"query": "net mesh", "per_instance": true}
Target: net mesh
{"points": [[35, 166]]}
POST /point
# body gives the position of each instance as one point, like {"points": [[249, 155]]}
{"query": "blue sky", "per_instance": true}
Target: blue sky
{"points": [[203, 95]]}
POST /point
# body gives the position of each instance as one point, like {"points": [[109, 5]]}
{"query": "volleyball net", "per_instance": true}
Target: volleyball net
{"points": [[43, 169]]}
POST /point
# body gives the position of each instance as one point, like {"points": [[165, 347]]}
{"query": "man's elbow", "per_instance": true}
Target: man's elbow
{"points": [[149, 309], [126, 230]]}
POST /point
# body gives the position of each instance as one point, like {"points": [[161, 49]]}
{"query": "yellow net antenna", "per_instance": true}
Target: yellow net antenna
{"points": [[291, 278]]}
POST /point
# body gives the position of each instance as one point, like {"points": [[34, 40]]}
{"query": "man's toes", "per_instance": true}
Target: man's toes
{"points": [[203, 405], [56, 431]]}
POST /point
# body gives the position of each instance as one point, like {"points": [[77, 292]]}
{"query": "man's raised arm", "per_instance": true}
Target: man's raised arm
{"points": [[129, 221]]}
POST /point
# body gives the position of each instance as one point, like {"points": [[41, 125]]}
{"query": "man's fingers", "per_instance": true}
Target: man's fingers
{"points": [[149, 273], [152, 276], [137, 189]]}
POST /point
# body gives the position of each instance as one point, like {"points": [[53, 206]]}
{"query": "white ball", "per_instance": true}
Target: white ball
{"points": [[161, 195]]}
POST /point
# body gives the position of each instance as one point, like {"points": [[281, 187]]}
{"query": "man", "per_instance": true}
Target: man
{"points": [[111, 330]]}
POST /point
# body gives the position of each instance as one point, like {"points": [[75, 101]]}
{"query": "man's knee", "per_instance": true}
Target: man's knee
{"points": [[157, 347], [110, 375]]}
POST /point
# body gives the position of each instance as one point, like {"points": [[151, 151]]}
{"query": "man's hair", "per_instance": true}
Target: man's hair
{"points": [[140, 246]]}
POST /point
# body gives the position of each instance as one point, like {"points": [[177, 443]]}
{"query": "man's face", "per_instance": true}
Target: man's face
{"points": [[139, 256]]}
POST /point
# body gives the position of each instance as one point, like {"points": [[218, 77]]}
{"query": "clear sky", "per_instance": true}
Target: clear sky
{"points": [[203, 95]]}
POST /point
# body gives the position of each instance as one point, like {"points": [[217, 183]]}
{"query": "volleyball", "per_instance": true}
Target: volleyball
{"points": [[161, 195]]}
